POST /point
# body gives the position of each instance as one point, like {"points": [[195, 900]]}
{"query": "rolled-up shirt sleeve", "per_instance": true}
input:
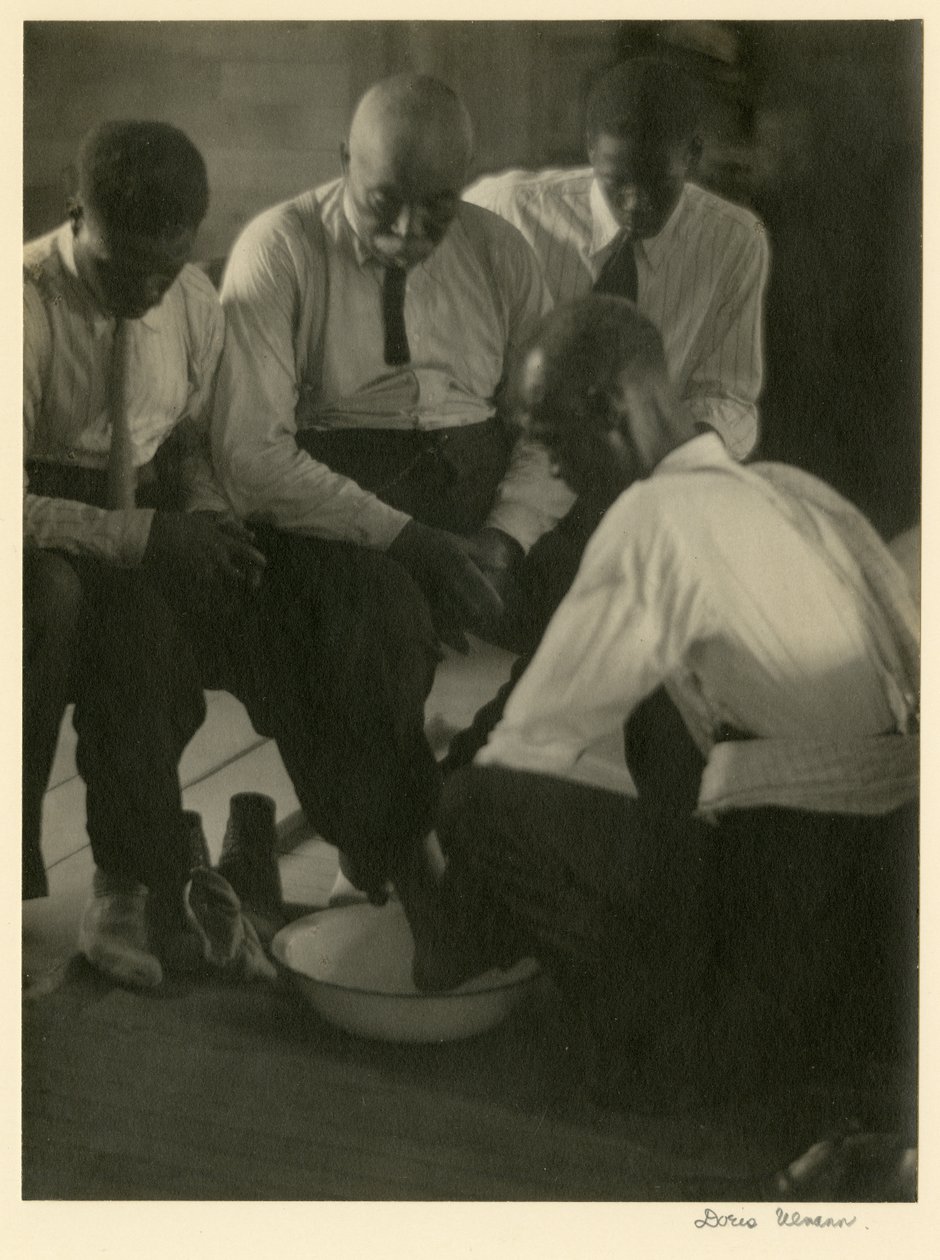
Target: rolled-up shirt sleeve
{"points": [[63, 524], [615, 637], [273, 297], [725, 383], [531, 498]]}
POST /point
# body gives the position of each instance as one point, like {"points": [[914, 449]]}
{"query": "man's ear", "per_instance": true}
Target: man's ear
{"points": [[621, 451], [344, 156]]}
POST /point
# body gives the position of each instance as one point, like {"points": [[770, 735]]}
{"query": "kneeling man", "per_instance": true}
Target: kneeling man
{"points": [[759, 642]]}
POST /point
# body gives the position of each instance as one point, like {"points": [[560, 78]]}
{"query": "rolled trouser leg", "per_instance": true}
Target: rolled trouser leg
{"points": [[610, 895], [344, 696], [549, 862], [139, 701]]}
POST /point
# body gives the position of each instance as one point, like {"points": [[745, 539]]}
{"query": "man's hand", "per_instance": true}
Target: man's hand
{"points": [[204, 548], [496, 555], [461, 596]]}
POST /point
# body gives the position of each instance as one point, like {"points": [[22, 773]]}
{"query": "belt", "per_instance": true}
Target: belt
{"points": [[444, 436], [87, 485], [381, 459]]}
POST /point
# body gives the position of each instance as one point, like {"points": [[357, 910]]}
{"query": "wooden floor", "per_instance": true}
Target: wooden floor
{"points": [[207, 1090]]}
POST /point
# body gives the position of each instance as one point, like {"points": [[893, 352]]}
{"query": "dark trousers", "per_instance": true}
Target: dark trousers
{"points": [[735, 956], [103, 638], [446, 479], [52, 596], [363, 633], [334, 656]]}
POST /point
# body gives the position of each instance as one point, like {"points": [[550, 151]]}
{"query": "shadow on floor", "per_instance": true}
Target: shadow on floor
{"points": [[209, 1090]]}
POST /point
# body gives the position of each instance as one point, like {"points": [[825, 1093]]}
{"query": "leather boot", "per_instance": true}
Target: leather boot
{"points": [[198, 845], [172, 937], [249, 861]]}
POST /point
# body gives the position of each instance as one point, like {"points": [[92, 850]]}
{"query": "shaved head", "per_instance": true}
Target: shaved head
{"points": [[419, 116], [406, 163]]}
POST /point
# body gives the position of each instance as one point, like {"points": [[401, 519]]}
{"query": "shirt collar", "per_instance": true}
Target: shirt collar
{"points": [[66, 247], [361, 252], [605, 228], [705, 450], [151, 319], [65, 243]]}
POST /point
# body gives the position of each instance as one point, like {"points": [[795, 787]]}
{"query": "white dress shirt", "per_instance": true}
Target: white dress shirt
{"points": [[701, 281], [172, 355], [305, 349], [696, 579]]}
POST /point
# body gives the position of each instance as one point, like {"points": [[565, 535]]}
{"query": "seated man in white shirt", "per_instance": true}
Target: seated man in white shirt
{"points": [[125, 592], [633, 223], [369, 327], [696, 263], [760, 891]]}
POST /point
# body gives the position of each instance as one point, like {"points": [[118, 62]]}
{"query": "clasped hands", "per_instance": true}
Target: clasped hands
{"points": [[206, 549], [465, 580]]}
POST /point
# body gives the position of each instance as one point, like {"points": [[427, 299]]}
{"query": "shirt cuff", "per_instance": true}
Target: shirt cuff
{"points": [[736, 423], [207, 498], [521, 524], [136, 535], [80, 529], [378, 525]]}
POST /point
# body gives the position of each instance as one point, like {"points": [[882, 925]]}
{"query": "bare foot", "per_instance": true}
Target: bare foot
{"points": [[441, 964], [444, 957]]}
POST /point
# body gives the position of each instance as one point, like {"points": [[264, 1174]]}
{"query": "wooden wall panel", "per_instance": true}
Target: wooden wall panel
{"points": [[269, 102], [266, 102]]}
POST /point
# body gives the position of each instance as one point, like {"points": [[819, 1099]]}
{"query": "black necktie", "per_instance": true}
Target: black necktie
{"points": [[393, 312], [618, 274]]}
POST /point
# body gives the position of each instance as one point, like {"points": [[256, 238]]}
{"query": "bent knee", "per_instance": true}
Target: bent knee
{"points": [[466, 806], [399, 600], [52, 598]]}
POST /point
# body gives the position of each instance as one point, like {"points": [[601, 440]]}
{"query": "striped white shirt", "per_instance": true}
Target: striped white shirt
{"points": [[172, 355], [304, 349], [701, 281], [762, 600]]}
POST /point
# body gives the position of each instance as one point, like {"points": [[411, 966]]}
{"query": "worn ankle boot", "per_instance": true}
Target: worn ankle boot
{"points": [[198, 845], [228, 939], [249, 860], [113, 932], [172, 937]]}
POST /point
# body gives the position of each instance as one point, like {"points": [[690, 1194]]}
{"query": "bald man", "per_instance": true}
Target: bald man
{"points": [[369, 327]]}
